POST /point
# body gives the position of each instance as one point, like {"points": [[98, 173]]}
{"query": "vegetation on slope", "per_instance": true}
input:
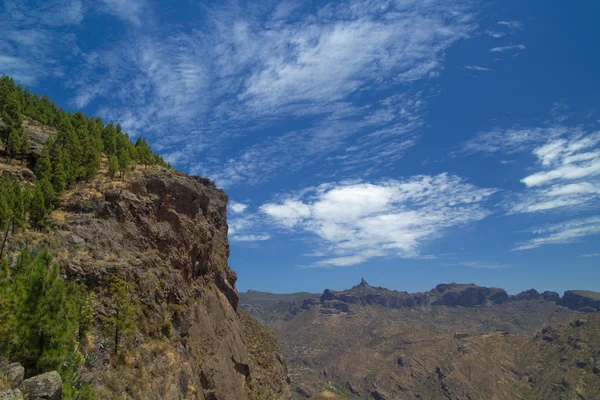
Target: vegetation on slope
{"points": [[74, 153]]}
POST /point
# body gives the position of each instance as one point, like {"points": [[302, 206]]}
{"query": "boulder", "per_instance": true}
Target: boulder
{"points": [[14, 374], [46, 386]]}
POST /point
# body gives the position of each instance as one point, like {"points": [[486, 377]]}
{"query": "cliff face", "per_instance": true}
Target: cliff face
{"points": [[165, 233]]}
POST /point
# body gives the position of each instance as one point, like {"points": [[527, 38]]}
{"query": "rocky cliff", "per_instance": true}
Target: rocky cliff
{"points": [[165, 233], [452, 295]]}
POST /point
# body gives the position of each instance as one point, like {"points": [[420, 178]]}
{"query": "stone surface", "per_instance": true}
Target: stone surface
{"points": [[46, 386], [11, 394], [14, 373]]}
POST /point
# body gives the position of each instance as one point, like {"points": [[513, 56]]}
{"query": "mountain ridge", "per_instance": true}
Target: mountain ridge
{"points": [[449, 294]]}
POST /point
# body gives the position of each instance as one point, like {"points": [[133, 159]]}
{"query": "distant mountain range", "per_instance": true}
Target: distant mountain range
{"points": [[456, 341]]}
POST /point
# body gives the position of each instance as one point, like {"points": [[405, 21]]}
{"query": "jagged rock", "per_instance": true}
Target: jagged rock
{"points": [[551, 296], [377, 394], [549, 334], [581, 300], [14, 374], [38, 134], [47, 386], [304, 391], [343, 307], [530, 294], [327, 295], [307, 304], [352, 389], [470, 296]]}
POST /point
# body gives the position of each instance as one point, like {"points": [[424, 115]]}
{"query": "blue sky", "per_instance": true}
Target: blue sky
{"points": [[409, 142]]}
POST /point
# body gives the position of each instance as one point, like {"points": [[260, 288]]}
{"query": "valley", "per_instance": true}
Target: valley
{"points": [[456, 342]]}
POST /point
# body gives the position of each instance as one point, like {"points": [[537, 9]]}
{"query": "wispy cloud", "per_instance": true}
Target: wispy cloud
{"points": [[566, 177], [247, 69], [127, 10], [483, 265], [249, 238], [591, 255], [355, 222], [511, 24], [567, 162], [502, 49], [478, 68], [510, 141], [567, 232]]}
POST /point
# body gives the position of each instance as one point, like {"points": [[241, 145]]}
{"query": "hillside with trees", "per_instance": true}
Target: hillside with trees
{"points": [[113, 269]]}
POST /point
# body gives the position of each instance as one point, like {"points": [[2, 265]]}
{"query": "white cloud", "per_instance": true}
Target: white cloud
{"points": [[355, 222], [566, 232], [288, 213], [249, 238], [478, 68], [567, 180], [237, 208], [591, 255], [570, 166], [483, 265], [126, 10], [511, 24], [495, 34], [565, 172], [502, 49], [511, 141]]}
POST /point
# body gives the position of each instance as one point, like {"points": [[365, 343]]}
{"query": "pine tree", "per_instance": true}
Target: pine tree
{"points": [[59, 179], [13, 146], [11, 115], [122, 313], [37, 209], [5, 210], [45, 317], [124, 161], [43, 167], [86, 304], [18, 207], [109, 138], [25, 147], [113, 166]]}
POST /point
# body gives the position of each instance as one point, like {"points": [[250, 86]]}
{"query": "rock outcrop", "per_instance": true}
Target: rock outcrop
{"points": [[581, 300], [165, 233]]}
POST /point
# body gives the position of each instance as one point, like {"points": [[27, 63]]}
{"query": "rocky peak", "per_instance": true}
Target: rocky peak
{"points": [[363, 282]]}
